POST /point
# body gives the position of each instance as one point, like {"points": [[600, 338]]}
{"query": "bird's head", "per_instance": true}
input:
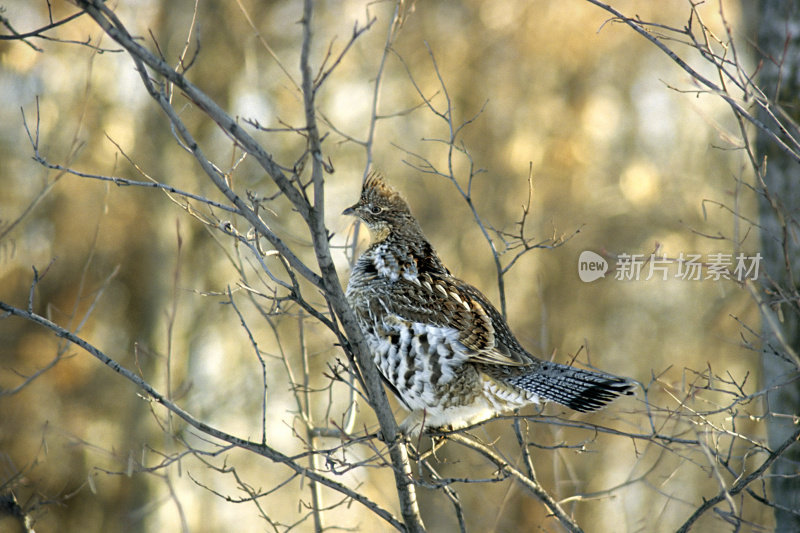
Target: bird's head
{"points": [[382, 209]]}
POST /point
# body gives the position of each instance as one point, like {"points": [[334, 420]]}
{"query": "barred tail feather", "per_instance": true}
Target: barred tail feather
{"points": [[578, 389]]}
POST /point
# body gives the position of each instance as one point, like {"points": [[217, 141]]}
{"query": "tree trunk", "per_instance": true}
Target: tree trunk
{"points": [[779, 43]]}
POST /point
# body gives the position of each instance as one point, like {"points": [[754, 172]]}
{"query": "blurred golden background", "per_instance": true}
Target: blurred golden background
{"points": [[616, 155]]}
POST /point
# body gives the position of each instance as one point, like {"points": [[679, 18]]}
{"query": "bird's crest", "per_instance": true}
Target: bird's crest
{"points": [[376, 182], [375, 188]]}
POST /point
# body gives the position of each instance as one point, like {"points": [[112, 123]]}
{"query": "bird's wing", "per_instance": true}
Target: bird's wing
{"points": [[448, 302]]}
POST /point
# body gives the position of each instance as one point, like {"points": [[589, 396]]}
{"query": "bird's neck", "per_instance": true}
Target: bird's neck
{"points": [[381, 234], [399, 256]]}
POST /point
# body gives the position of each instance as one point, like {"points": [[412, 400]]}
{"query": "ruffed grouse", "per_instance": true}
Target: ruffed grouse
{"points": [[439, 344]]}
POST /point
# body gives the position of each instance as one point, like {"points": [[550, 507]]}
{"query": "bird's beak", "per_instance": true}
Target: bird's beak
{"points": [[349, 211]]}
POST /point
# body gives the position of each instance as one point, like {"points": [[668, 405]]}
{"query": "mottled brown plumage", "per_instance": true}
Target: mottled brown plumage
{"points": [[440, 345]]}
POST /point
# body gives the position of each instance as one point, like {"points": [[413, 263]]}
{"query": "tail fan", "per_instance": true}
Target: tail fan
{"points": [[578, 389]]}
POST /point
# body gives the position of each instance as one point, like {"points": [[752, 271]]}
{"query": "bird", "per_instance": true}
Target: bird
{"points": [[440, 345]]}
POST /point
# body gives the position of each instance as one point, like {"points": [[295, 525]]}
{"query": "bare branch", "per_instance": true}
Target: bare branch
{"points": [[260, 449]]}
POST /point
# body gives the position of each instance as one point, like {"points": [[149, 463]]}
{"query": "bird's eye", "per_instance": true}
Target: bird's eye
{"points": [[375, 209]]}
